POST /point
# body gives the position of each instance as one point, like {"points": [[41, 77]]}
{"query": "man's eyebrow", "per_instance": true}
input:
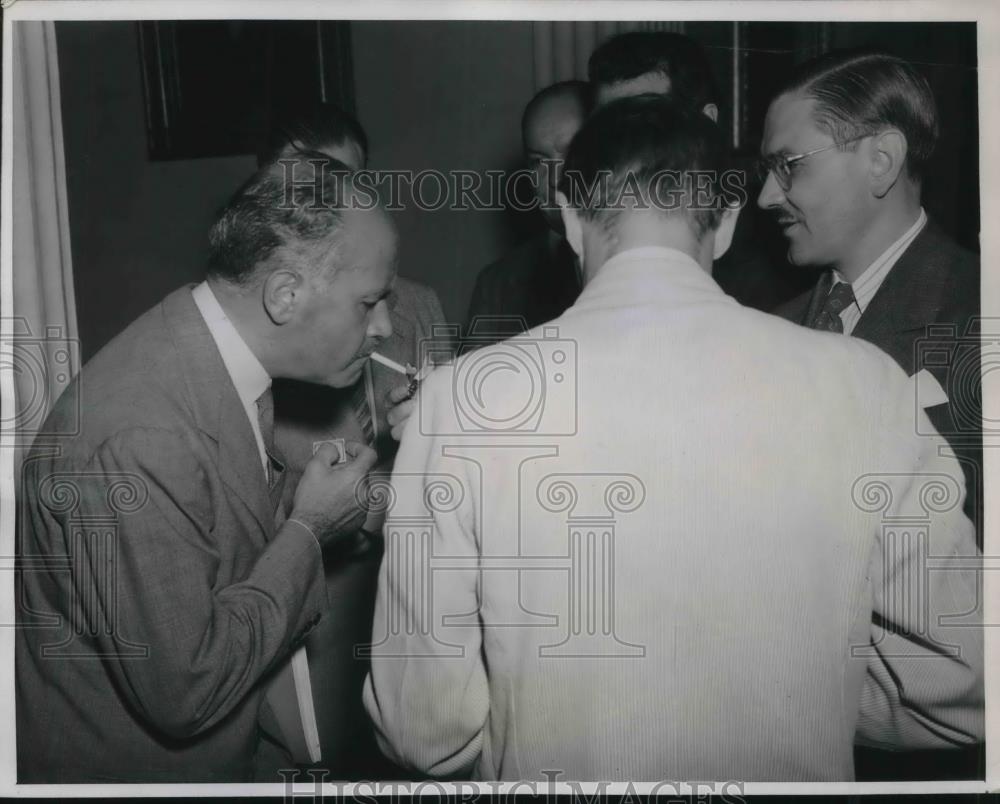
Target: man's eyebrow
{"points": [[380, 294]]}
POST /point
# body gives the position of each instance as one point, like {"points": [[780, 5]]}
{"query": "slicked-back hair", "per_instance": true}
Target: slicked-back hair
{"points": [[287, 208], [636, 142], [678, 57], [865, 92], [313, 128]]}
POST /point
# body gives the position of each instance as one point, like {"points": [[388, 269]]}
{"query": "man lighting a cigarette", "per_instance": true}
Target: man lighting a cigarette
{"points": [[150, 634], [706, 598], [370, 411]]}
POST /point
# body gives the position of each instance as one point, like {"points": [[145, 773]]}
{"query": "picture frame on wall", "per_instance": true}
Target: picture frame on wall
{"points": [[212, 87]]}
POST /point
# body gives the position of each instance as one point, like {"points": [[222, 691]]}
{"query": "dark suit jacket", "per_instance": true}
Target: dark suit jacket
{"points": [[307, 413], [154, 593], [533, 284], [925, 315]]}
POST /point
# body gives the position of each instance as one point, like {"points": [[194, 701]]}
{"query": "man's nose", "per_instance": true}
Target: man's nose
{"points": [[380, 325], [771, 194]]}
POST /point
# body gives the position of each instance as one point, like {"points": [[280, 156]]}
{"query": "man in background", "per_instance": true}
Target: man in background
{"points": [[539, 279], [163, 578], [676, 66], [845, 145], [735, 561]]}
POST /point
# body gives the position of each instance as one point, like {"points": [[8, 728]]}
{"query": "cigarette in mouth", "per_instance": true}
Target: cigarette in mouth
{"points": [[392, 364]]}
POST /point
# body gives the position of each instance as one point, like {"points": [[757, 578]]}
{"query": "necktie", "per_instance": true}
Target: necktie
{"points": [[274, 465], [840, 295], [290, 713], [362, 408]]}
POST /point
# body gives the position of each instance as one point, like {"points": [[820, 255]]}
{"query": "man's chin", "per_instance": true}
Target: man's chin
{"points": [[797, 255], [347, 376]]}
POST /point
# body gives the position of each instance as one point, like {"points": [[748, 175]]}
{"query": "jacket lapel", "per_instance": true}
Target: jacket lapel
{"points": [[817, 297], [217, 409], [909, 299]]}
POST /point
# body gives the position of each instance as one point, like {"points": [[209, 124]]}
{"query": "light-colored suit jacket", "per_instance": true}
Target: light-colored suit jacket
{"points": [[155, 595], [648, 542]]}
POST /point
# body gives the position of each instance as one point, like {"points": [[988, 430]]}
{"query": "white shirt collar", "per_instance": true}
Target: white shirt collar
{"points": [[248, 375]]}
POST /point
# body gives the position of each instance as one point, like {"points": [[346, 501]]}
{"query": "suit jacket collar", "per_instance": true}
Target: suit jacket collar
{"points": [[215, 405], [914, 291], [919, 285], [649, 275]]}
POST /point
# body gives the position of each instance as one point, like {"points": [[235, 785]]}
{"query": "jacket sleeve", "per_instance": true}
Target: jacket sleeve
{"points": [[203, 643], [924, 687], [427, 692]]}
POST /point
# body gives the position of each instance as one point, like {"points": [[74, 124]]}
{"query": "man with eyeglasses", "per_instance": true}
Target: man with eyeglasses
{"points": [[845, 146]]}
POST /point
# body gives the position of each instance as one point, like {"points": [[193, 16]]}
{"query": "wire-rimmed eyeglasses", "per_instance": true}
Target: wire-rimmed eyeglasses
{"points": [[781, 164]]}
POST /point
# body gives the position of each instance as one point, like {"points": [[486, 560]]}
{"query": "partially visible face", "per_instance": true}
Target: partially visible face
{"points": [[343, 320], [647, 83], [547, 135], [826, 209]]}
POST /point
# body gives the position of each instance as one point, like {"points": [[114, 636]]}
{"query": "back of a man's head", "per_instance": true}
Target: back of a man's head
{"points": [[678, 59], [863, 92], [288, 211], [649, 153]]}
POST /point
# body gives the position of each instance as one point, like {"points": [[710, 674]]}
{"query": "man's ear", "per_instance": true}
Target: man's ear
{"points": [[888, 156], [572, 224], [284, 291], [724, 234], [711, 111]]}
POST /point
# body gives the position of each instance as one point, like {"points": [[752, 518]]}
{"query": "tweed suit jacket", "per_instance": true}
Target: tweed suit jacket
{"points": [[155, 596]]}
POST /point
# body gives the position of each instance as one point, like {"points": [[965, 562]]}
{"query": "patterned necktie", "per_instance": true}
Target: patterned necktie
{"points": [[840, 296], [289, 715], [275, 466], [362, 409]]}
